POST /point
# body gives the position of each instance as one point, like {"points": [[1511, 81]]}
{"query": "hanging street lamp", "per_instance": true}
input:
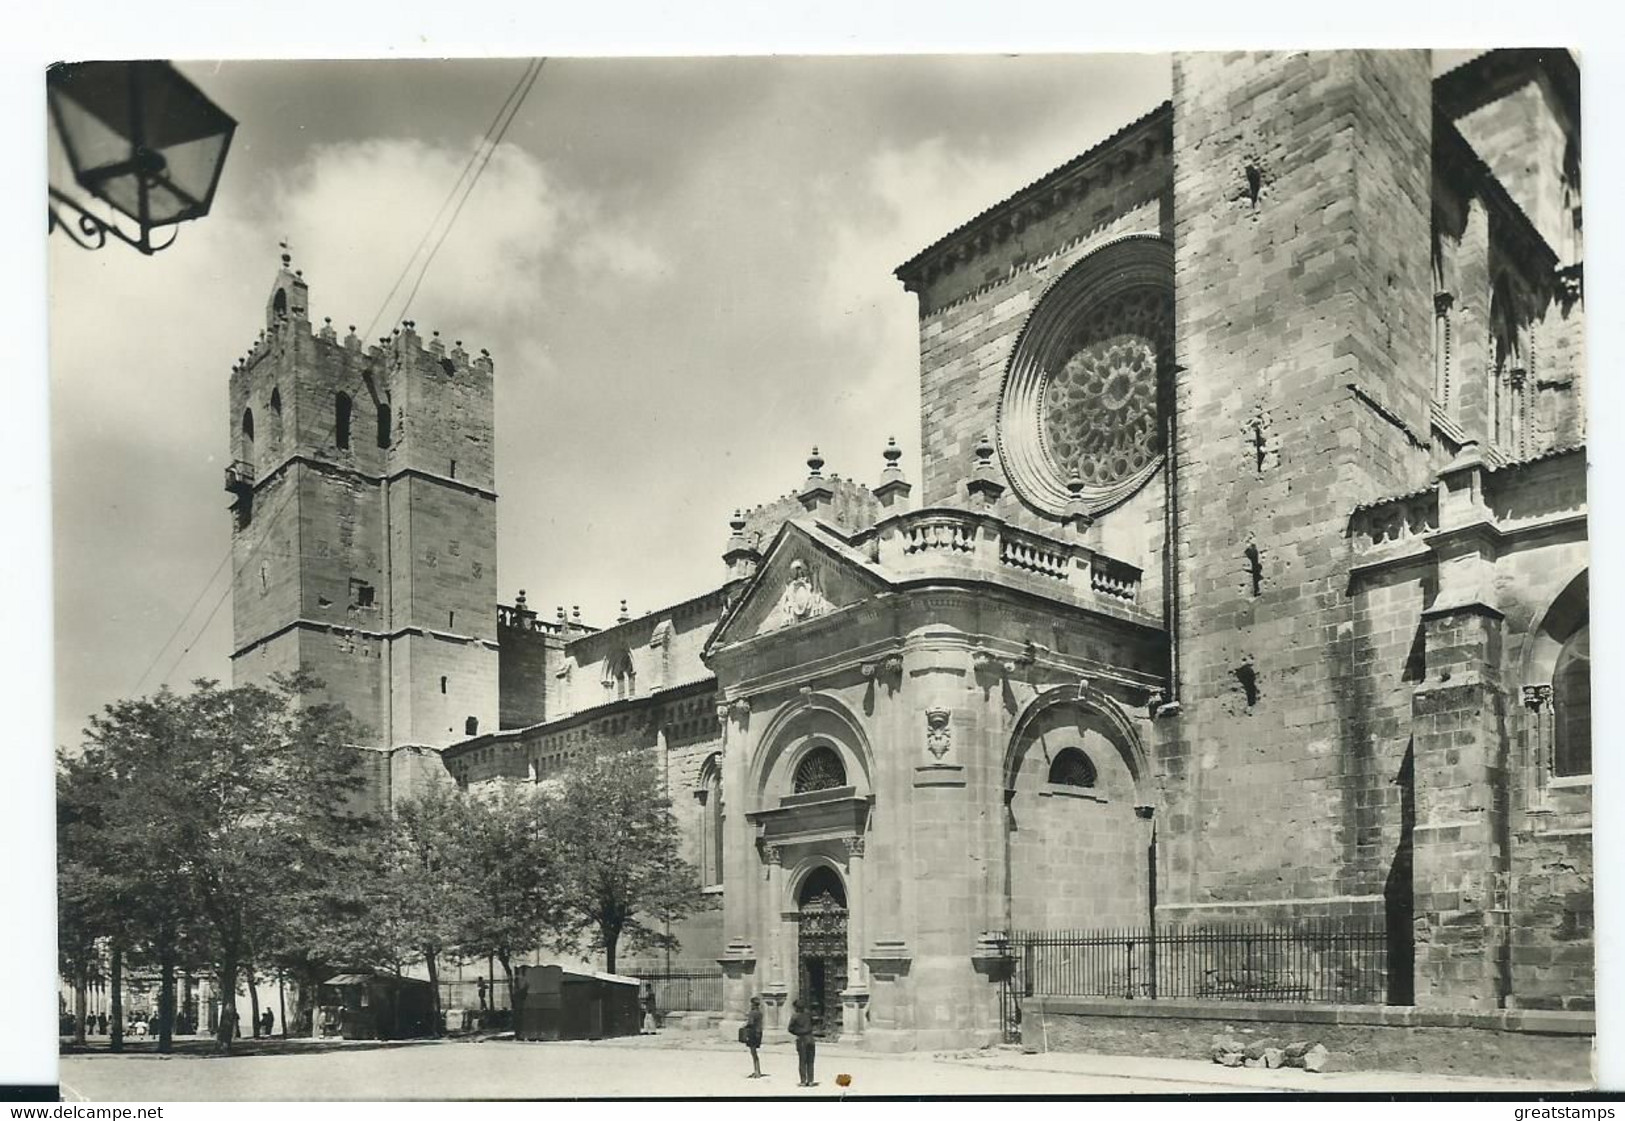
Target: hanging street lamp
{"points": [[142, 139]]}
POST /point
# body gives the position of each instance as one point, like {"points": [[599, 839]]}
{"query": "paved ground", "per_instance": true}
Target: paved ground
{"points": [[675, 1065]]}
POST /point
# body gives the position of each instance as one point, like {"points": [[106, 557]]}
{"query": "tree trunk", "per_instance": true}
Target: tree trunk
{"points": [[315, 1008], [80, 985], [612, 936], [309, 999], [166, 1002], [431, 959], [513, 997], [253, 999], [115, 1025], [228, 1006], [282, 1003]]}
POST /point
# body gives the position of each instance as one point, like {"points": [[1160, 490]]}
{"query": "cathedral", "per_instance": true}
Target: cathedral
{"points": [[1245, 581]]}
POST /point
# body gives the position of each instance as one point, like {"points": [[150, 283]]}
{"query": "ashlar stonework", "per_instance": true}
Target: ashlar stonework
{"points": [[1248, 579]]}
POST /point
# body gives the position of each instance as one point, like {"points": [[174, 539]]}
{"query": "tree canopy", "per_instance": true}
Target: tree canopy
{"points": [[227, 830], [619, 853]]}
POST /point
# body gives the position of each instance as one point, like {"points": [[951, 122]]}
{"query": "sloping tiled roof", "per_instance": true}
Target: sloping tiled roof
{"points": [[909, 270], [1488, 76]]}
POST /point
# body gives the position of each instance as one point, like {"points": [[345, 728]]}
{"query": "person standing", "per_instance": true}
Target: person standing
{"points": [[801, 1026], [267, 1021], [751, 1035], [651, 1023]]}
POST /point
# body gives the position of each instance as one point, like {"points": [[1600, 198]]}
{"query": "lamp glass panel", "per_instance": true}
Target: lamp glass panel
{"points": [[122, 193], [176, 121], [91, 143], [191, 168]]}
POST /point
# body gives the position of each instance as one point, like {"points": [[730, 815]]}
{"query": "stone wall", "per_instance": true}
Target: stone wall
{"points": [[363, 546], [1545, 1048], [973, 306], [1077, 854], [1303, 301]]}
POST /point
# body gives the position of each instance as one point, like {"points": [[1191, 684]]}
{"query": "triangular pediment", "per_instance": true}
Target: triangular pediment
{"points": [[806, 575]]}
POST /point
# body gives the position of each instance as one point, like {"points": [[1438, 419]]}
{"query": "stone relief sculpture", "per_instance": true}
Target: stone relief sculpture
{"points": [[802, 600], [938, 737]]}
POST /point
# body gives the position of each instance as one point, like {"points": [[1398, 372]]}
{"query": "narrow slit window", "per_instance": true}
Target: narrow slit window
{"points": [[342, 406]]}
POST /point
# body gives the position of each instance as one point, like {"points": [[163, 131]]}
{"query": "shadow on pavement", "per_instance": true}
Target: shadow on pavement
{"points": [[204, 1047]]}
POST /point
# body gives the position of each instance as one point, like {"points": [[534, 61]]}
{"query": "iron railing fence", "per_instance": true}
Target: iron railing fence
{"points": [[680, 990], [1322, 961]]}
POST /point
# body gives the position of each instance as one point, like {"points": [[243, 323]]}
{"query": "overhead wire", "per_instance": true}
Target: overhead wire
{"points": [[499, 127], [490, 151], [477, 162]]}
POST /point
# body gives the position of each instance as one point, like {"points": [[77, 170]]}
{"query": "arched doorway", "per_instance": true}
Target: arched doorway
{"points": [[821, 947]]}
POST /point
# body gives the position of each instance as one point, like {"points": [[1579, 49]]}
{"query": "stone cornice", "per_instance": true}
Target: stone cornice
{"points": [[571, 721], [328, 468], [362, 632], [1503, 536], [1021, 656], [1039, 199]]}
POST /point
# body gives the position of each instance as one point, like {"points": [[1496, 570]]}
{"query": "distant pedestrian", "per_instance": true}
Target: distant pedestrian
{"points": [[101, 1023], [651, 1023], [801, 1026], [750, 1034], [267, 1021]]}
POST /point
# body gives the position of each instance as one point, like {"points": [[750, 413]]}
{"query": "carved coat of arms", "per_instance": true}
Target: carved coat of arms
{"points": [[938, 736]]}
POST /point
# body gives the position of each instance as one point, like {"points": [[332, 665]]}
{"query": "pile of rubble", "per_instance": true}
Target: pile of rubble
{"points": [[1229, 1051]]}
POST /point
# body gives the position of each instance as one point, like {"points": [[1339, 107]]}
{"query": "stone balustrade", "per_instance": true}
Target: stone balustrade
{"points": [[969, 543], [518, 619]]}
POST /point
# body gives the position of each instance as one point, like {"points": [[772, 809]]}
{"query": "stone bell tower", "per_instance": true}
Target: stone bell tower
{"points": [[364, 521]]}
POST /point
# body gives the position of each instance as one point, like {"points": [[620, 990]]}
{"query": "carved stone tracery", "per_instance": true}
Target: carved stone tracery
{"points": [[1082, 395]]}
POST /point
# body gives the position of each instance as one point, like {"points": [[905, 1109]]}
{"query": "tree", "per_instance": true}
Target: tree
{"points": [[332, 920], [511, 877], [121, 872], [424, 903], [618, 852], [213, 806]]}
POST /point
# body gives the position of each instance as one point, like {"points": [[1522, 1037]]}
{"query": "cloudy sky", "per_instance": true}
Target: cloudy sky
{"points": [[682, 269]]}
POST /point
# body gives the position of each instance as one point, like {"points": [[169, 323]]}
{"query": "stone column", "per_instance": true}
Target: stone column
{"points": [[776, 989], [855, 999]]}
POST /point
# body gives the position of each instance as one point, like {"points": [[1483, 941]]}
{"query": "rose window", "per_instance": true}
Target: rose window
{"points": [[1082, 397], [1099, 409]]}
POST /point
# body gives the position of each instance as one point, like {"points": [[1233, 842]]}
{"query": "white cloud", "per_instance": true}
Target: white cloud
{"points": [[618, 253]]}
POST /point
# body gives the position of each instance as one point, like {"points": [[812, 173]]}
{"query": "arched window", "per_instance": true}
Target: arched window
{"points": [[620, 679], [711, 823], [384, 418], [1571, 706], [822, 889], [1071, 767], [341, 419], [276, 402], [471, 726], [1509, 373], [248, 428], [279, 303], [819, 769]]}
